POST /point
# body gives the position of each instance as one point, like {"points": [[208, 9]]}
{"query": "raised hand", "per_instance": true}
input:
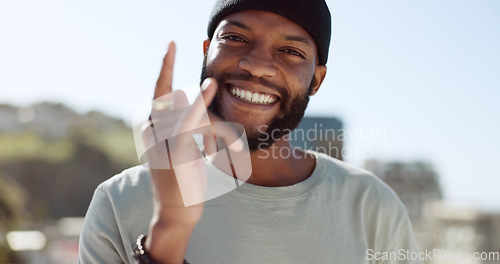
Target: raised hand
{"points": [[176, 164]]}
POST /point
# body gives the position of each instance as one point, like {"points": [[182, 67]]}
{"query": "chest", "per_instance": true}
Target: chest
{"points": [[270, 232]]}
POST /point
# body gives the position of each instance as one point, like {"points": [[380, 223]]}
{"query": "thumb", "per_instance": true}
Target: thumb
{"points": [[208, 90], [198, 115]]}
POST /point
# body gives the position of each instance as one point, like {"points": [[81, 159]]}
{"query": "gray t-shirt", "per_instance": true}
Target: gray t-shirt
{"points": [[340, 214]]}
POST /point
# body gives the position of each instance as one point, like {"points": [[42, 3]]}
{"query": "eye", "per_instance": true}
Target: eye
{"points": [[234, 38], [293, 52]]}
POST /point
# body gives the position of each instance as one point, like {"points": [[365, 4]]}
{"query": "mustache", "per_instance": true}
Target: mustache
{"points": [[224, 77]]}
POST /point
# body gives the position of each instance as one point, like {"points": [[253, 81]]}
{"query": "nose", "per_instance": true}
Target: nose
{"points": [[259, 63]]}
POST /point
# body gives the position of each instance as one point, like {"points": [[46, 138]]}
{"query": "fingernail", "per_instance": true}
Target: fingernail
{"points": [[170, 45], [205, 84]]}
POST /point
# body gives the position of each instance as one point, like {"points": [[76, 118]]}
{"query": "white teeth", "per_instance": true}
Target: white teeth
{"points": [[256, 98], [261, 98], [248, 96]]}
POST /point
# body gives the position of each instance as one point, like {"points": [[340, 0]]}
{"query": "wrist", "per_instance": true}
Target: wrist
{"points": [[177, 217], [142, 255], [167, 243]]}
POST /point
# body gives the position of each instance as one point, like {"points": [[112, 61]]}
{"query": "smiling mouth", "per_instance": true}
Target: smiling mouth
{"points": [[254, 98]]}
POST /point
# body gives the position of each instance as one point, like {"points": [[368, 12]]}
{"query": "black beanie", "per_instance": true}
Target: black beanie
{"points": [[311, 15]]}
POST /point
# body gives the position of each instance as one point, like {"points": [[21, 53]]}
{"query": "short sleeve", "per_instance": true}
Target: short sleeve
{"points": [[393, 240], [100, 241]]}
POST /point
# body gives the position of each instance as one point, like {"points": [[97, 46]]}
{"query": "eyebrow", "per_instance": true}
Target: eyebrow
{"points": [[297, 39], [238, 24], [285, 37]]}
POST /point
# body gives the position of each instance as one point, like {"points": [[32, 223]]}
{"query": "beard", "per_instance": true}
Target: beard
{"points": [[291, 111]]}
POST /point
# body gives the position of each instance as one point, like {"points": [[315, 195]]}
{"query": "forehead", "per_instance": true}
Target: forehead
{"points": [[266, 22]]}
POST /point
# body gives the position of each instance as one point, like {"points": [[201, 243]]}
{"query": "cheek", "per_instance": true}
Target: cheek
{"points": [[300, 72], [212, 58], [218, 58], [213, 54], [298, 80]]}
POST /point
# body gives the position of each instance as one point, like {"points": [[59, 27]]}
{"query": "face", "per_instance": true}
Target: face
{"points": [[266, 68]]}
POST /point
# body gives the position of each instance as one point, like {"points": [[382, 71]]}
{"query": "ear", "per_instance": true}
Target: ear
{"points": [[206, 44], [319, 73]]}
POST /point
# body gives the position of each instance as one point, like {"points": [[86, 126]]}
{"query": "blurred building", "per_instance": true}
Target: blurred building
{"points": [[463, 234], [321, 134], [453, 232]]}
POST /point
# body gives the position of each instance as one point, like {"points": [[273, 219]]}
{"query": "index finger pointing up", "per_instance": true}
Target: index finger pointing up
{"points": [[164, 83]]}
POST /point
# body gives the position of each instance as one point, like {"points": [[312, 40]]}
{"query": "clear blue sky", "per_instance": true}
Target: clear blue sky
{"points": [[425, 72]]}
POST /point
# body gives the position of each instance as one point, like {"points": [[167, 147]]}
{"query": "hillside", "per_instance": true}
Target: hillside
{"points": [[53, 158]]}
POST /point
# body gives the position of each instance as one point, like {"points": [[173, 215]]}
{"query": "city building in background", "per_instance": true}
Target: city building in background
{"points": [[462, 234], [321, 134], [453, 233]]}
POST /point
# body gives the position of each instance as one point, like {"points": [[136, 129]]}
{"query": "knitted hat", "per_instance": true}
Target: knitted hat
{"points": [[311, 15]]}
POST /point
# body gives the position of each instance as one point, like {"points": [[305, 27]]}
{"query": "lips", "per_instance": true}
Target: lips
{"points": [[253, 97]]}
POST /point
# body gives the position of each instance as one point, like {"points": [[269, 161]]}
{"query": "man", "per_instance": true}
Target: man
{"points": [[264, 58]]}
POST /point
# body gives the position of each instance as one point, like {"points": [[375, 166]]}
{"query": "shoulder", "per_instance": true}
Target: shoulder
{"points": [[128, 182], [372, 203], [119, 211], [125, 192], [356, 184], [349, 176]]}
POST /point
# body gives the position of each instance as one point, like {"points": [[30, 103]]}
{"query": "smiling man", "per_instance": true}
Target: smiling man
{"points": [[267, 68], [263, 60]]}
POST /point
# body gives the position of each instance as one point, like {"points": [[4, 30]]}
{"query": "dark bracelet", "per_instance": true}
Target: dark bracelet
{"points": [[140, 253]]}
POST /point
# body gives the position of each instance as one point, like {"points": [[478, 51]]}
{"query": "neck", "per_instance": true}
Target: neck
{"points": [[280, 165]]}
